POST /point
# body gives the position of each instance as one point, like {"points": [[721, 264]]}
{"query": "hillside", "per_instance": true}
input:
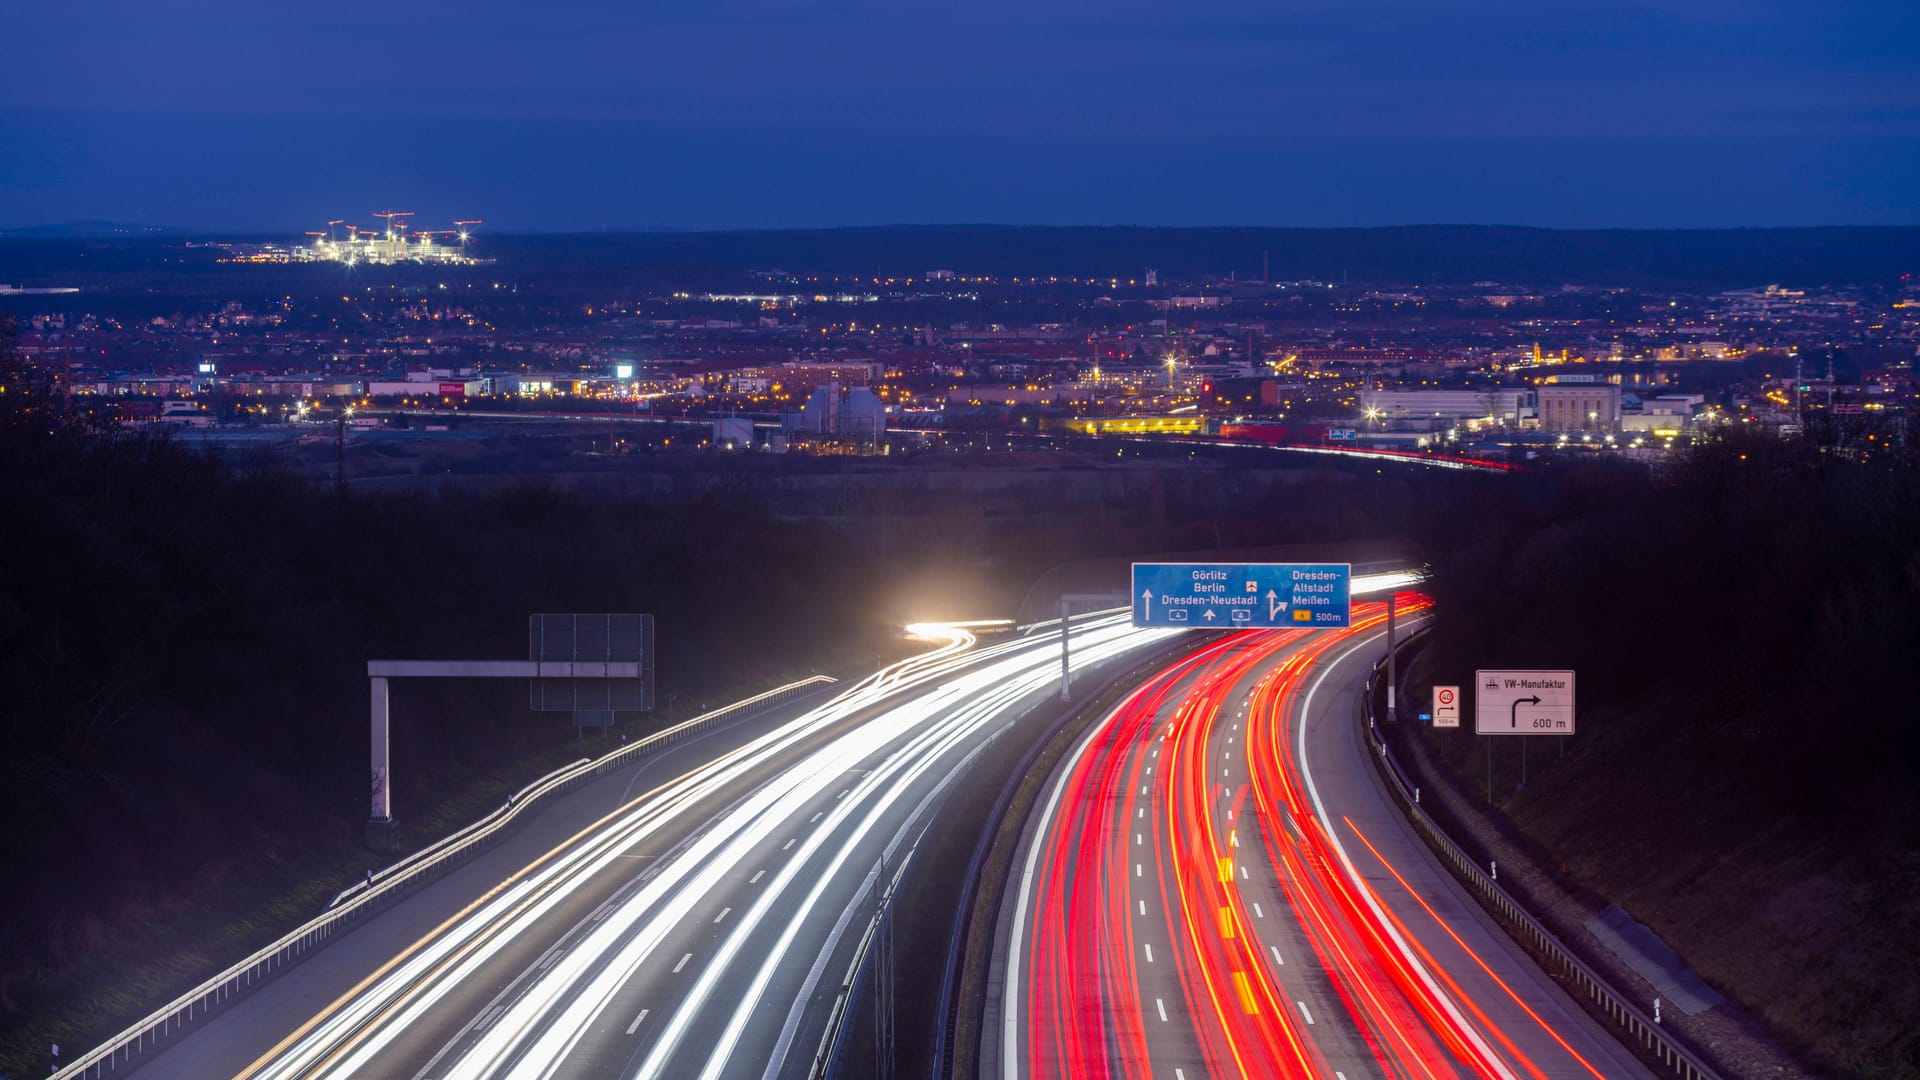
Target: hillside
{"points": [[1746, 779]]}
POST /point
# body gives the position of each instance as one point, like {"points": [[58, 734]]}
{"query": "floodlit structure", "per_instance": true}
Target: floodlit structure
{"points": [[848, 413], [397, 242]]}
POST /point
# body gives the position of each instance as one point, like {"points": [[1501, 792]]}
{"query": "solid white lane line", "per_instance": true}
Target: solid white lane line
{"points": [[682, 963], [722, 915], [1304, 1012], [1313, 794], [636, 1022]]}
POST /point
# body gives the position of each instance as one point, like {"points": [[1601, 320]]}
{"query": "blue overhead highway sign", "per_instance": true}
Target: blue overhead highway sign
{"points": [[1242, 596]]}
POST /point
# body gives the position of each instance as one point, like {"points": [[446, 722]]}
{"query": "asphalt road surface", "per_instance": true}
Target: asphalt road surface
{"points": [[1217, 884], [691, 917]]}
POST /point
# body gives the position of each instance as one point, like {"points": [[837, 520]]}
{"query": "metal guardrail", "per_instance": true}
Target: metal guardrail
{"points": [[386, 887], [1625, 1014], [882, 887]]}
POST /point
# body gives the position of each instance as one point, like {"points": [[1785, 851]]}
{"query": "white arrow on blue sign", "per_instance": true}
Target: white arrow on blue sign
{"points": [[1243, 596]]}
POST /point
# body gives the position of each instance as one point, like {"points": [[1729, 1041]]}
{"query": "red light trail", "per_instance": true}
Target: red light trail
{"points": [[1187, 854]]}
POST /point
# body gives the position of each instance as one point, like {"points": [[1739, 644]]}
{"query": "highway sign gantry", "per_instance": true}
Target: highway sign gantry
{"points": [[1446, 706], [1243, 596], [1523, 702]]}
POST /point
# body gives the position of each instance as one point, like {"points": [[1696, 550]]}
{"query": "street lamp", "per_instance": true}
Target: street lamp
{"points": [[1172, 361]]}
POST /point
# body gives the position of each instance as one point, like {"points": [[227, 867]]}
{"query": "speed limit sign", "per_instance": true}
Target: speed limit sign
{"points": [[1446, 706]]}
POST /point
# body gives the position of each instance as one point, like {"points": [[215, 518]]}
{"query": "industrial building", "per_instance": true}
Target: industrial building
{"points": [[1426, 409], [397, 242], [733, 433], [836, 411], [1579, 408], [435, 383]]}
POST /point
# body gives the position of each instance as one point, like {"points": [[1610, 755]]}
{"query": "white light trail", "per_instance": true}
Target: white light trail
{"points": [[936, 705]]}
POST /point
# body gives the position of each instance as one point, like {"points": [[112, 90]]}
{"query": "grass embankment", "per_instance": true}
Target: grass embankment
{"points": [[183, 690], [1746, 777], [139, 957]]}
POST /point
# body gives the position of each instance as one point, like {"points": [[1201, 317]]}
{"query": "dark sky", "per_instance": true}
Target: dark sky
{"points": [[736, 113]]}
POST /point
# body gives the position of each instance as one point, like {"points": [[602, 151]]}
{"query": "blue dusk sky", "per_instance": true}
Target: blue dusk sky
{"points": [[582, 114]]}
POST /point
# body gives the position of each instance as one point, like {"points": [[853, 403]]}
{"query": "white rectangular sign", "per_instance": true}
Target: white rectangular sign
{"points": [[1446, 706], [1523, 702]]}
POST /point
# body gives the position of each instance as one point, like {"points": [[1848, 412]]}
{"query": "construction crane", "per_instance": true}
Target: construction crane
{"points": [[331, 224], [465, 233], [390, 215]]}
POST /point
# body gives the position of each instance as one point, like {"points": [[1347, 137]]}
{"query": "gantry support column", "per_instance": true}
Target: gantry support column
{"points": [[380, 818]]}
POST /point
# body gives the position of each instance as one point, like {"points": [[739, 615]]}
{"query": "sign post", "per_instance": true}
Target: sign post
{"points": [[1393, 714], [1243, 596], [1521, 703], [1065, 695], [588, 665]]}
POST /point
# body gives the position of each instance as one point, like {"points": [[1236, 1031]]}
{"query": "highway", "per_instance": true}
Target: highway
{"points": [[1215, 884], [699, 927]]}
